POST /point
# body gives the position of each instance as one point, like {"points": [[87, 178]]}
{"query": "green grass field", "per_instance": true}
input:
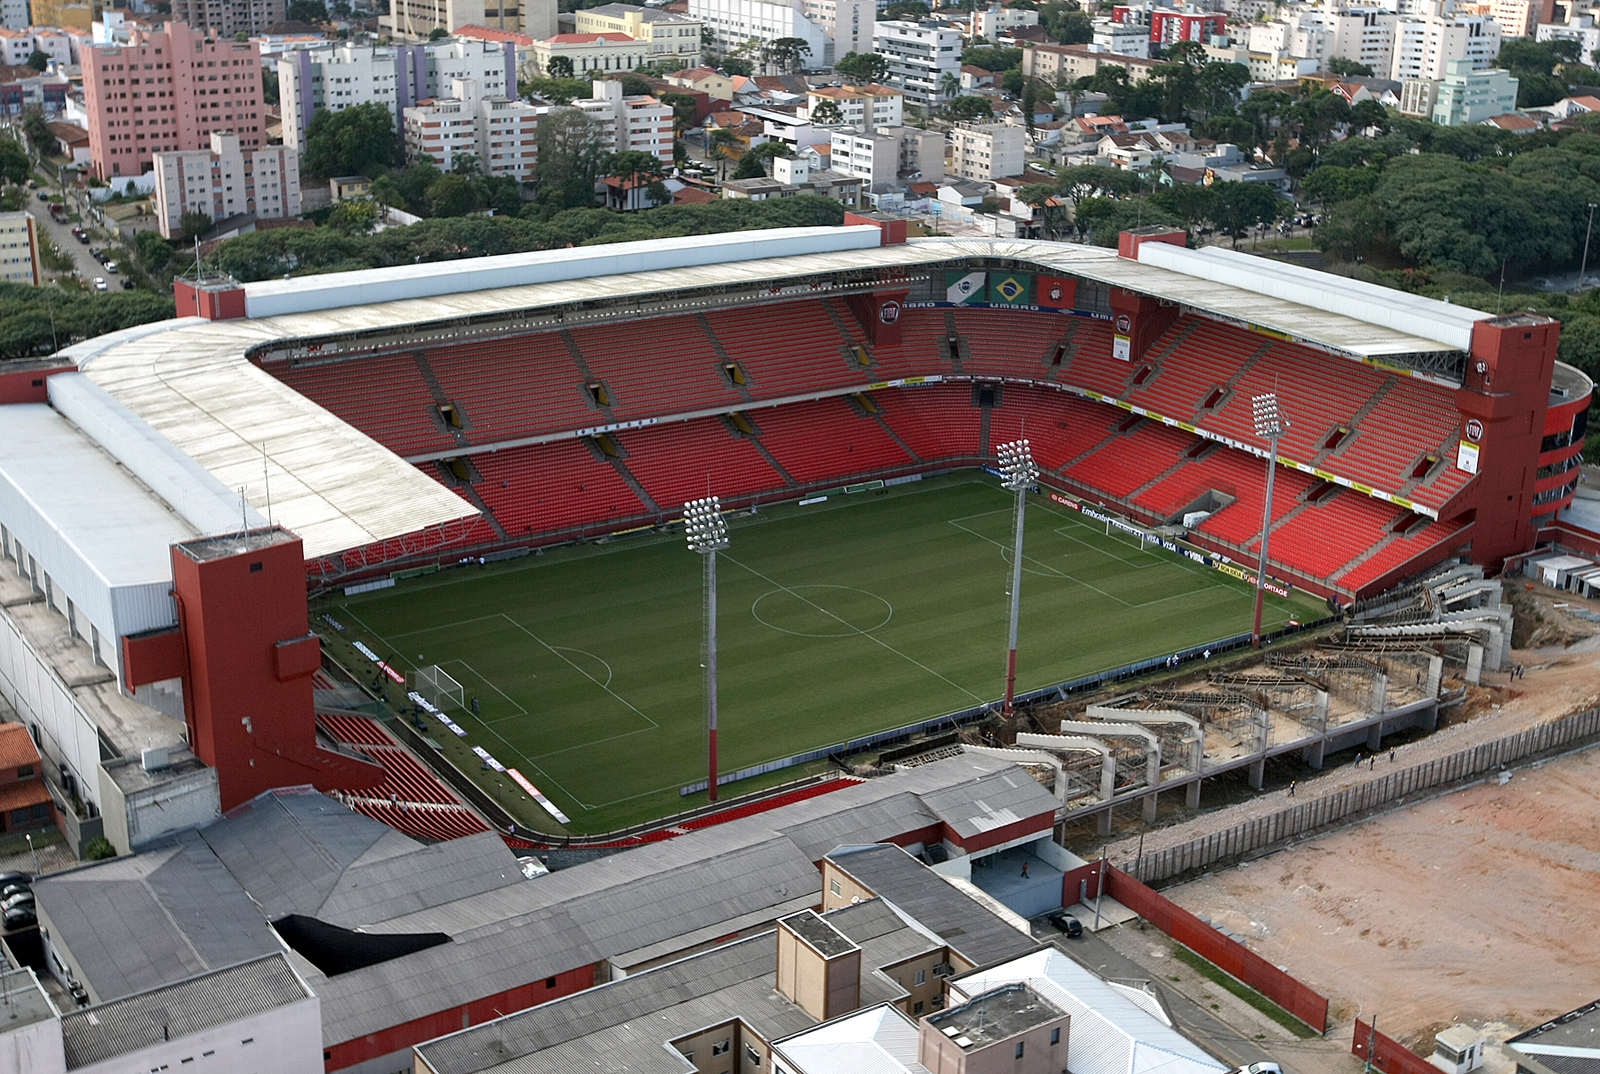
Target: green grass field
{"points": [[864, 613]]}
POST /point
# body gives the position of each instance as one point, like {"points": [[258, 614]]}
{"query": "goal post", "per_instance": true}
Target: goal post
{"points": [[438, 688]]}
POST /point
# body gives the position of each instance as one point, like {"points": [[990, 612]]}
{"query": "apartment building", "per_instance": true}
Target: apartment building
{"points": [[53, 43], [1580, 29], [1060, 65], [1521, 18], [19, 248], [1122, 38], [1168, 26], [226, 180], [987, 24], [592, 54], [920, 55], [14, 14], [866, 106], [1466, 96], [986, 151], [673, 39], [64, 14], [502, 132], [16, 46], [639, 124], [168, 90], [830, 28], [1424, 45], [415, 20], [395, 76], [885, 154], [224, 18]]}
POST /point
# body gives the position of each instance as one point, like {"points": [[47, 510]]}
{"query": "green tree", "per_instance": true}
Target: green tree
{"points": [[1066, 22], [1049, 207], [559, 67], [194, 223], [1340, 65], [151, 253], [40, 136], [438, 33], [992, 58], [14, 163], [269, 85], [635, 167], [307, 11], [826, 113], [1238, 207], [354, 216], [970, 108], [357, 141], [571, 149], [788, 53], [1369, 115], [905, 9], [452, 194], [949, 86], [557, 90], [720, 140], [863, 67], [753, 164], [38, 60]]}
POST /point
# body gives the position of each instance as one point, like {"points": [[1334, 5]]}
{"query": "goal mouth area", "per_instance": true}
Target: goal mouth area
{"points": [[442, 691]]}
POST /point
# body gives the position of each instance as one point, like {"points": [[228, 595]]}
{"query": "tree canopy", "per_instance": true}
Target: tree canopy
{"points": [[359, 140], [26, 313], [863, 66]]}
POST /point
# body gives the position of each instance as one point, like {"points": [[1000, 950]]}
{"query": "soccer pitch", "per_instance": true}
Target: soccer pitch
{"points": [[860, 614]]}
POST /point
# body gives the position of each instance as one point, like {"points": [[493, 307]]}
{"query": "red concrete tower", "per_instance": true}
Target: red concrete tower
{"points": [[1503, 399], [246, 655]]}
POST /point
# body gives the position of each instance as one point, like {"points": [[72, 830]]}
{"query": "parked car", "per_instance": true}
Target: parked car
{"points": [[1066, 923], [21, 898], [111, 266], [100, 284], [15, 878], [127, 284], [20, 918], [44, 195], [11, 887], [1260, 1068]]}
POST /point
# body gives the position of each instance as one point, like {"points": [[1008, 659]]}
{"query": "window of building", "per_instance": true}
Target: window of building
{"points": [[1055, 1036], [752, 1056], [722, 1046], [1019, 1049], [24, 771]]}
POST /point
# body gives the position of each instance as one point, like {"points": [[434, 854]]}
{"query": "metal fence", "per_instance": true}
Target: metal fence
{"points": [[1310, 815]]}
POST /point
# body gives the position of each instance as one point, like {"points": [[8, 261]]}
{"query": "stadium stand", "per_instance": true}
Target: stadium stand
{"points": [[1000, 343], [677, 462], [656, 367], [817, 440], [786, 349], [1318, 541], [514, 386], [937, 421], [411, 799], [544, 488], [1395, 552], [383, 395], [1058, 425], [1123, 463]]}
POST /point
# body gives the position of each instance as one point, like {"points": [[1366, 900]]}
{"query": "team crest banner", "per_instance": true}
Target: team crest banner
{"points": [[963, 288]]}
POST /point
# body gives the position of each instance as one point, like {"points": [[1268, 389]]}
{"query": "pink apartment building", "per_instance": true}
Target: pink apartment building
{"points": [[168, 90]]}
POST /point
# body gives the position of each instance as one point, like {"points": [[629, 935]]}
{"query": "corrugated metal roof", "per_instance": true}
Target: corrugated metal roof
{"points": [[878, 1040], [175, 1011], [890, 873]]}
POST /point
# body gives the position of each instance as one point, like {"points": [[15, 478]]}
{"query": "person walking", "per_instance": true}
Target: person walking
{"points": [[1291, 788], [1391, 756], [1024, 870]]}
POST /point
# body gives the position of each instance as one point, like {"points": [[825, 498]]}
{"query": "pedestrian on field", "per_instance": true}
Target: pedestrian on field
{"points": [[1358, 760]]}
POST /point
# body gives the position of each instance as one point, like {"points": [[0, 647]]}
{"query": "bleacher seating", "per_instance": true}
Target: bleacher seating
{"points": [[1006, 343], [1238, 475], [1199, 357], [656, 368], [353, 730], [410, 799], [921, 349], [542, 488], [1398, 552], [685, 460], [383, 395], [515, 386], [786, 348], [817, 440], [438, 825], [1059, 426], [937, 421], [1321, 539], [1414, 418], [1123, 463]]}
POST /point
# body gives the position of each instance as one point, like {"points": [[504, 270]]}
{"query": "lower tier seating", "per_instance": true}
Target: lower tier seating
{"points": [[542, 488], [817, 440]]}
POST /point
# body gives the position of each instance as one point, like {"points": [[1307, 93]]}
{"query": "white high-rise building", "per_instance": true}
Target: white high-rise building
{"points": [[1425, 45], [830, 28], [19, 248], [632, 124], [503, 133], [395, 76], [226, 180], [14, 14], [1581, 29], [987, 151], [920, 54]]}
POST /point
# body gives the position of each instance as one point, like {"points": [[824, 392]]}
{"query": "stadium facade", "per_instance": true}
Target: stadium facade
{"points": [[338, 428]]}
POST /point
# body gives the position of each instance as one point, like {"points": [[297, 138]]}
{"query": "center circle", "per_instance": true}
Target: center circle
{"points": [[822, 611]]}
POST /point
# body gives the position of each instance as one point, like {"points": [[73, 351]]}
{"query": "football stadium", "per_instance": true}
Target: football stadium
{"points": [[467, 484]]}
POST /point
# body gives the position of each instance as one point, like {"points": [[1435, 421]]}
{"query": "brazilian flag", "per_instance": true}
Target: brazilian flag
{"points": [[1011, 289]]}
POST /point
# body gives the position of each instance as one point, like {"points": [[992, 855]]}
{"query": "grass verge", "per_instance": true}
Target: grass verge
{"points": [[1211, 972]]}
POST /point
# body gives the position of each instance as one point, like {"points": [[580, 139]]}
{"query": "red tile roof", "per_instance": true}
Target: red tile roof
{"points": [[16, 747]]}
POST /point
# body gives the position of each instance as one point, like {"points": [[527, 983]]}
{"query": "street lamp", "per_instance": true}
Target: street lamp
{"points": [[29, 837], [1018, 472], [707, 533], [1269, 426], [1586, 233]]}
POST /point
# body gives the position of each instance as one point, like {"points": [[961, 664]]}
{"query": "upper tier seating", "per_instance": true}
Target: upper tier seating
{"points": [[786, 349], [1238, 475], [824, 438], [656, 368], [1322, 539], [384, 396], [1001, 343], [516, 386]]}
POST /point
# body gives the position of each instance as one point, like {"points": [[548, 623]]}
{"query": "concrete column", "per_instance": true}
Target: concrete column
{"points": [[1313, 754], [1147, 808], [1319, 716], [1375, 737], [1104, 820], [1380, 694], [1435, 674], [1191, 797], [1258, 773], [1430, 718], [1474, 672]]}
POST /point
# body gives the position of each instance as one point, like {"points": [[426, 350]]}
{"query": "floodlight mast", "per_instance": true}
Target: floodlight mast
{"points": [[707, 533], [1269, 425], [1018, 473]]}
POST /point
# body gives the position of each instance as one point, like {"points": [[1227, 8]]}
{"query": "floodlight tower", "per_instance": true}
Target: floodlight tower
{"points": [[707, 533], [1269, 426], [1018, 473]]}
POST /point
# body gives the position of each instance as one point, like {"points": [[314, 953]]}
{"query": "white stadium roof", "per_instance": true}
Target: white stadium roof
{"points": [[339, 489]]}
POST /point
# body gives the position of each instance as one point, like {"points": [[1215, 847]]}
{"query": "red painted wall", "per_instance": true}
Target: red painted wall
{"points": [[1128, 243], [212, 303], [1507, 389], [880, 315], [479, 1011], [247, 719], [1389, 1056], [1142, 318], [27, 385], [153, 656], [1042, 824]]}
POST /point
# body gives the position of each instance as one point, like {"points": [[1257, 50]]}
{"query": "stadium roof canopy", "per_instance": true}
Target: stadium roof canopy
{"points": [[338, 489]]}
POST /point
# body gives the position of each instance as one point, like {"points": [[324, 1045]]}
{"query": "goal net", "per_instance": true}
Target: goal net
{"points": [[440, 689]]}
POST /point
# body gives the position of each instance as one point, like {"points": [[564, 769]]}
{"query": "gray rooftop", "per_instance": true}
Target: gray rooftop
{"points": [[95, 503], [995, 1015], [826, 940], [178, 1010], [981, 936], [1565, 1035]]}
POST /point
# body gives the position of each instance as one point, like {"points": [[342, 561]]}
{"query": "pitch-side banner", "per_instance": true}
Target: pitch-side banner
{"points": [[965, 287]]}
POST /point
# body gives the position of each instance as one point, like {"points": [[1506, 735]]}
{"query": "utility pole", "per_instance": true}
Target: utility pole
{"points": [[1586, 233]]}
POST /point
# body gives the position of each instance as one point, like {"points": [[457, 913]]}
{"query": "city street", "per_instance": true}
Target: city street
{"points": [[61, 235]]}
